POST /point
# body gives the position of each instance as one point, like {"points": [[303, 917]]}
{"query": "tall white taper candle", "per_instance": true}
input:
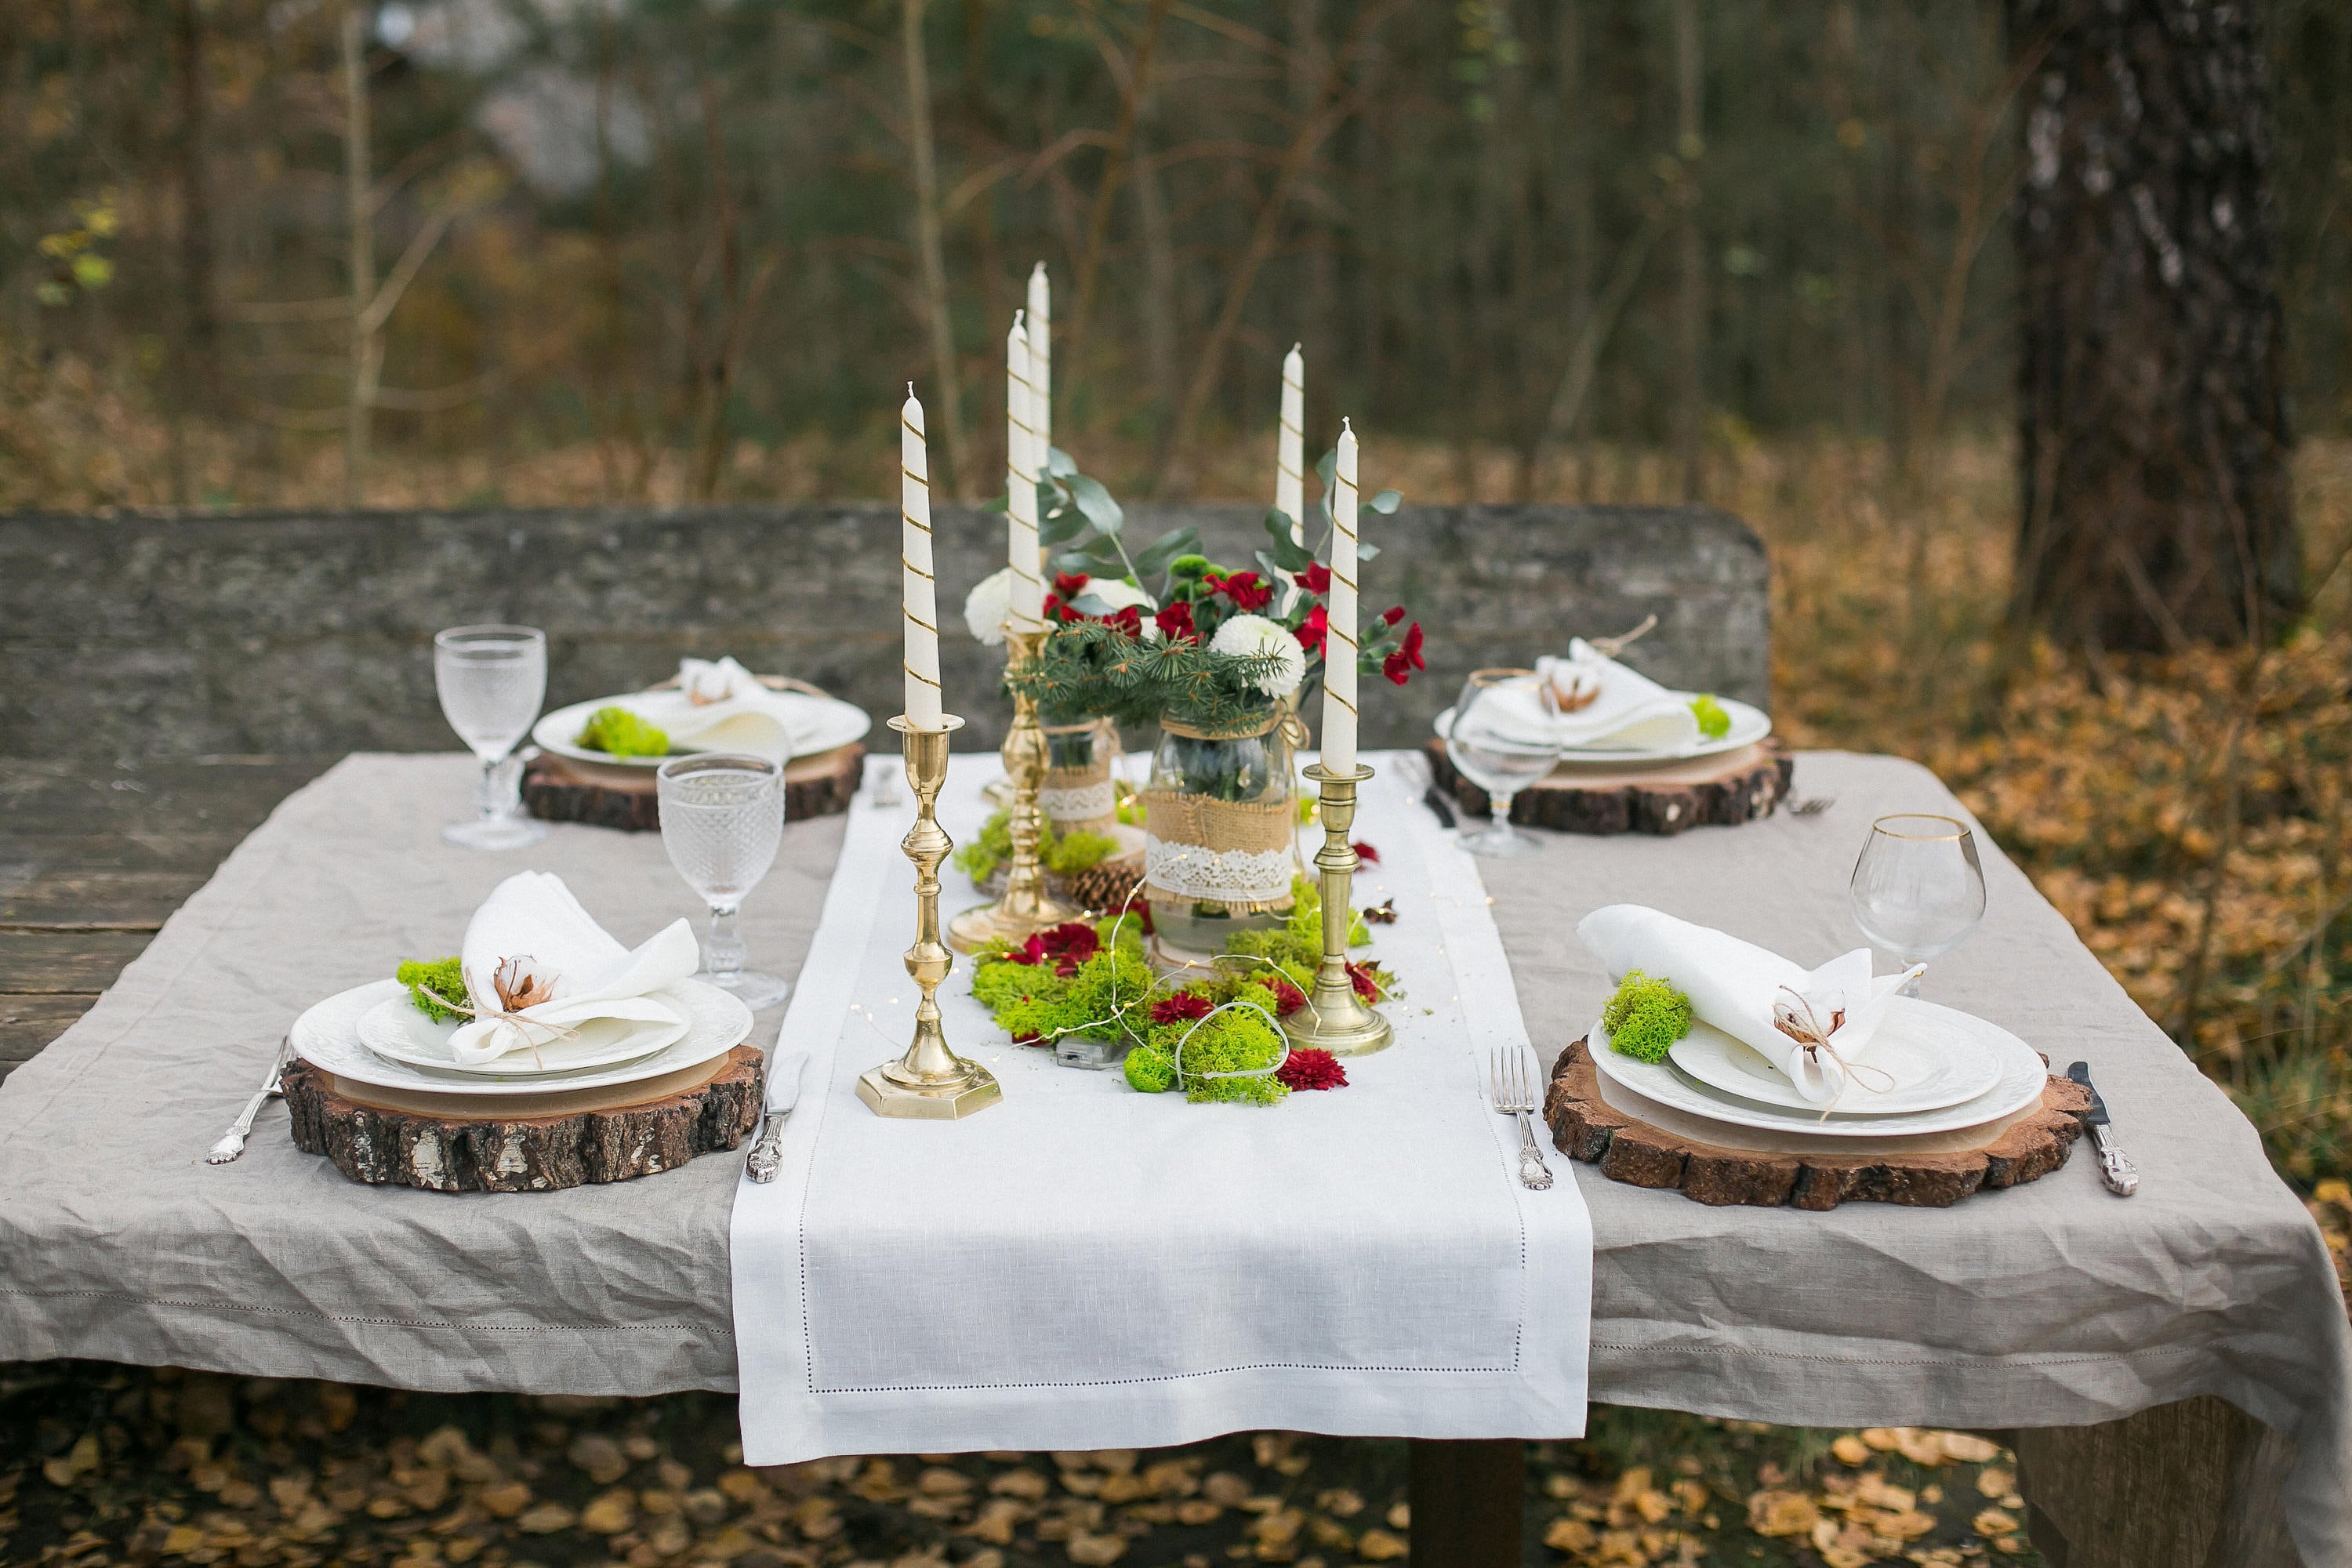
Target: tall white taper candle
{"points": [[1290, 445], [919, 598], [1041, 359], [1340, 643], [1027, 610]]}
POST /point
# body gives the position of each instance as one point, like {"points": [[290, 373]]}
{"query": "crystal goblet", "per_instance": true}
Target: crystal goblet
{"points": [[491, 680], [722, 816], [1496, 742]]}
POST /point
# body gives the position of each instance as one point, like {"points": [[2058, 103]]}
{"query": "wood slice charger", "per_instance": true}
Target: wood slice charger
{"points": [[1730, 787], [562, 789], [450, 1143], [2014, 1150]]}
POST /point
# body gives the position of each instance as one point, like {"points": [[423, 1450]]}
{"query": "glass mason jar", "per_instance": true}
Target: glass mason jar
{"points": [[1077, 794], [1220, 831]]}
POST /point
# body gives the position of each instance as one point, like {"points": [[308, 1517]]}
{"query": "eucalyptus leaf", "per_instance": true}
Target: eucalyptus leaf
{"points": [[1270, 567], [1166, 548], [1074, 563], [1062, 526], [1291, 557], [1366, 552], [1386, 502], [1096, 503], [1059, 463], [1329, 470], [993, 503]]}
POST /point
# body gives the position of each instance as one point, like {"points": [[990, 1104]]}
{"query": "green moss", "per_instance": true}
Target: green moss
{"points": [[1645, 1016], [1072, 853], [1065, 856], [1149, 1072], [621, 733], [428, 978], [989, 847], [1229, 1042], [1713, 721]]}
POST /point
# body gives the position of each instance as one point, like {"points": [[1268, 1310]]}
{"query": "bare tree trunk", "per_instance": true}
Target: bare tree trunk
{"points": [[196, 379], [367, 338], [948, 396], [1114, 174], [2154, 499], [1690, 391], [1161, 304]]}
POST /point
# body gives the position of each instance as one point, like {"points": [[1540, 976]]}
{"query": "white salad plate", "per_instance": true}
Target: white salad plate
{"points": [[1932, 1062], [1749, 725], [327, 1038], [830, 723], [396, 1029], [2022, 1075]]}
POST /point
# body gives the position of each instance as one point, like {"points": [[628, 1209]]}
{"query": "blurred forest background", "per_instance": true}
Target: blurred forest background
{"points": [[310, 253]]}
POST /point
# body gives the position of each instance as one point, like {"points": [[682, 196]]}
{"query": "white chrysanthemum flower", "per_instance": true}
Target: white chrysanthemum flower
{"points": [[1254, 636], [1114, 594], [985, 607]]}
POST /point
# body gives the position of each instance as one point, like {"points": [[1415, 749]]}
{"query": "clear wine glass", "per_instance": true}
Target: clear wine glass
{"points": [[1494, 745], [722, 814], [492, 680], [1918, 888]]}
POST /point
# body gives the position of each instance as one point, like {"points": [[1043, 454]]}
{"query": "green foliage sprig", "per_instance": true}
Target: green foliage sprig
{"points": [[431, 982], [1645, 1016], [1090, 668]]}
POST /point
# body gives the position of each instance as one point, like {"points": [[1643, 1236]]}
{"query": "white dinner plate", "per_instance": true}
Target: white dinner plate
{"points": [[327, 1038], [1931, 1061], [2022, 1074], [1749, 725], [832, 723], [394, 1029]]}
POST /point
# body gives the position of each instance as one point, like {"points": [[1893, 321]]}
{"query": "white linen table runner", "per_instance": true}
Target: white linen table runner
{"points": [[1084, 1267]]}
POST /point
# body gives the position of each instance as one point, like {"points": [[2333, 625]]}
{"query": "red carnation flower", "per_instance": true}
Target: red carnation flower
{"points": [[1182, 1007], [1056, 610], [1360, 975], [1242, 588], [1128, 619], [1316, 579], [1175, 621], [1392, 614], [1399, 666], [1366, 853], [1311, 1068], [1070, 585], [1314, 629], [1287, 998]]}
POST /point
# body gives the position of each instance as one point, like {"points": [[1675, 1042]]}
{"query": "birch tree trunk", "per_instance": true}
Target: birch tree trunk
{"points": [[2154, 503]]}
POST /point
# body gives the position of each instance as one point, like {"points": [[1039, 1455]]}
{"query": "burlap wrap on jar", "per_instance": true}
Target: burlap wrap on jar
{"points": [[1076, 793]]}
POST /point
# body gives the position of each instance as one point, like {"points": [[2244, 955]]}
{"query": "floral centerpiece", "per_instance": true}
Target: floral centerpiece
{"points": [[1219, 658]]}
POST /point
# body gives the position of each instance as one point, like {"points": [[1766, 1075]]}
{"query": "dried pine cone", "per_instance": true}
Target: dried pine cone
{"points": [[1105, 886]]}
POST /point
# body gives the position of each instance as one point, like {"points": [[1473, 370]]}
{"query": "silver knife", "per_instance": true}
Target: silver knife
{"points": [[232, 1143], [2116, 1168], [783, 1093]]}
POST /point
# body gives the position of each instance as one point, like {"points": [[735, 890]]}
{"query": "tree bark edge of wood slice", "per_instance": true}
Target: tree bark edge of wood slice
{"points": [[1749, 785], [1624, 1148], [524, 1154], [555, 790]]}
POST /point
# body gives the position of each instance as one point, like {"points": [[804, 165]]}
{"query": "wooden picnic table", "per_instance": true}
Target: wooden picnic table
{"points": [[97, 856]]}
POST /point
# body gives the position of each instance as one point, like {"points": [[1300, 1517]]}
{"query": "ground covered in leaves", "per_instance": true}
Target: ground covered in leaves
{"points": [[104, 1465]]}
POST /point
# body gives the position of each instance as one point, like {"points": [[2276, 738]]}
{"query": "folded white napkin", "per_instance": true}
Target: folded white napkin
{"points": [[1743, 989], [1626, 710], [719, 706], [530, 943]]}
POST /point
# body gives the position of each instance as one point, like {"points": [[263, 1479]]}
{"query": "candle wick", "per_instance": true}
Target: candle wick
{"points": [[1345, 425]]}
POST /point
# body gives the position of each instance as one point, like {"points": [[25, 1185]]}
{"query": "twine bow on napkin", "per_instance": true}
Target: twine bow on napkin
{"points": [[556, 974]]}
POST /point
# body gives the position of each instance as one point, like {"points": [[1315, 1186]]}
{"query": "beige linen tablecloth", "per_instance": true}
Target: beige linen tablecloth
{"points": [[2051, 1304]]}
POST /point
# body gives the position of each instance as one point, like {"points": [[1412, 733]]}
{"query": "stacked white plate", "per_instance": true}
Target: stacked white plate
{"points": [[1749, 725], [821, 723], [1928, 1069], [374, 1034]]}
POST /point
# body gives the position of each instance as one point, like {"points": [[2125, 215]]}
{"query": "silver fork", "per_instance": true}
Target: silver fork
{"points": [[232, 1143], [1813, 805], [1515, 1095]]}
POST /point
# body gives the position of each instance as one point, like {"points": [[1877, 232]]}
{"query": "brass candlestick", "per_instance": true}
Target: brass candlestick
{"points": [[1027, 906], [930, 1082], [1334, 1018]]}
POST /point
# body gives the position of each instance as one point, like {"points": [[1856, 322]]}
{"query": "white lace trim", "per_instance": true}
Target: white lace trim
{"points": [[1082, 804], [1196, 871]]}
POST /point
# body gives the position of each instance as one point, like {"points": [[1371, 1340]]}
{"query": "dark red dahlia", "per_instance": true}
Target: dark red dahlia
{"points": [[1366, 853], [1180, 1007], [1311, 1068], [1287, 998], [1360, 975]]}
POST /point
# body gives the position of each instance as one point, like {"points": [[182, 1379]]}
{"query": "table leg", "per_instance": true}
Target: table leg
{"points": [[1468, 1498], [2196, 1484]]}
